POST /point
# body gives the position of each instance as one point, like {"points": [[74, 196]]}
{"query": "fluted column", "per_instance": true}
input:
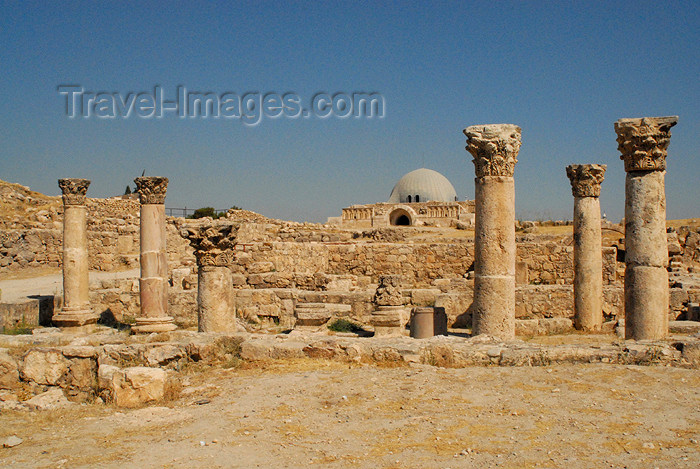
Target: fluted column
{"points": [[76, 310], [588, 255], [495, 150], [153, 282], [643, 143], [214, 249]]}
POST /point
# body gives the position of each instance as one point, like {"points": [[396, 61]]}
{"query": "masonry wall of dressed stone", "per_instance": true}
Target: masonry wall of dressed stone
{"points": [[313, 265]]}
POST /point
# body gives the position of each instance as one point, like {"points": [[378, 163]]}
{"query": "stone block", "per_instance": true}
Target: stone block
{"points": [[161, 355], [424, 297], [9, 372], [137, 386], [526, 327], [554, 326], [49, 400], [684, 327], [521, 273], [48, 367]]}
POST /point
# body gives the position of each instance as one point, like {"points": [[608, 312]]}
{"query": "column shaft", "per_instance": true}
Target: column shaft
{"points": [[494, 263], [153, 282], [646, 257], [588, 264], [215, 300], [76, 311]]}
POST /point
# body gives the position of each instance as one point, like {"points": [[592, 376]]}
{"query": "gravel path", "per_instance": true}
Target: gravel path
{"points": [[19, 289]]}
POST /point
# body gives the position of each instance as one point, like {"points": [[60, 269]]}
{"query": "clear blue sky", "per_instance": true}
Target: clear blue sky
{"points": [[563, 71]]}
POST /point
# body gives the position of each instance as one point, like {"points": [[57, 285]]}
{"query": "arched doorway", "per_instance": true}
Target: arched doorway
{"points": [[400, 217]]}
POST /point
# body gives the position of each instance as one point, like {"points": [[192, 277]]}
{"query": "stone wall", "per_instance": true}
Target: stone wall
{"points": [[113, 238]]}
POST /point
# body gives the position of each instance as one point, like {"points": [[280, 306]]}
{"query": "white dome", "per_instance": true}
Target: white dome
{"points": [[423, 185]]}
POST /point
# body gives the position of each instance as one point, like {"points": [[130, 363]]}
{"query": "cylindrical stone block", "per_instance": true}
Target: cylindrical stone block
{"points": [[646, 302], [214, 300], [428, 322], [494, 306], [494, 232], [645, 219], [588, 264]]}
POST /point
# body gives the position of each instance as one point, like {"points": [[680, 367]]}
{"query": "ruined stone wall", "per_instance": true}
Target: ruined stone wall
{"points": [[113, 238], [304, 262]]}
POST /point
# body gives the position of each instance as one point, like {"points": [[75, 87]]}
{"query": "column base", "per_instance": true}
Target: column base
{"points": [[74, 318], [148, 325], [389, 321]]}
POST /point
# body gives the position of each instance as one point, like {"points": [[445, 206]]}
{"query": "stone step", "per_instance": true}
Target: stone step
{"points": [[684, 327]]}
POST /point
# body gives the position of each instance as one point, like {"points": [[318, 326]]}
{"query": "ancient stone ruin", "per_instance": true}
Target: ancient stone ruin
{"points": [[495, 150], [588, 260], [249, 287]]}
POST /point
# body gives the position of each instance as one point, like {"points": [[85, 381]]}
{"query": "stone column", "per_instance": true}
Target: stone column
{"points": [[391, 315], [644, 143], [214, 249], [495, 150], [153, 282], [76, 311], [588, 249]]}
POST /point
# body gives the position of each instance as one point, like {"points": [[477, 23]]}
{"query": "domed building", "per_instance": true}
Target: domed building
{"points": [[422, 197]]}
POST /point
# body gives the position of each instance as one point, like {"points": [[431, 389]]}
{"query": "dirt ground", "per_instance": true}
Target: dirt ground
{"points": [[311, 413]]}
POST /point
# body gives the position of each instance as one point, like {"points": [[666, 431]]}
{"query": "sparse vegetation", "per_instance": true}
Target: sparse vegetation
{"points": [[210, 212], [343, 325]]}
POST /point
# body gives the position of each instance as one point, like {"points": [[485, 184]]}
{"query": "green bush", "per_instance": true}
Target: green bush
{"points": [[343, 325], [210, 212]]}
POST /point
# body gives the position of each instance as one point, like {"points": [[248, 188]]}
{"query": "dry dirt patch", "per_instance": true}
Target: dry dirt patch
{"points": [[326, 414]]}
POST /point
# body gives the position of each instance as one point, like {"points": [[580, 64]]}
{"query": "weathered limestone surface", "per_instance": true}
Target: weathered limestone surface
{"points": [[390, 315], [154, 265], [495, 149], [643, 143], [76, 311], [588, 260], [136, 386]]}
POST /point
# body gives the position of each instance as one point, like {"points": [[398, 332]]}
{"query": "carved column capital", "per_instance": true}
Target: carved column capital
{"points": [[213, 243], [494, 147], [151, 189], [586, 179], [73, 190], [388, 292], [644, 142]]}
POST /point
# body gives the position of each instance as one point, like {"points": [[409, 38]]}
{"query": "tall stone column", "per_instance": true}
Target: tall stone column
{"points": [[214, 249], [76, 311], [588, 255], [495, 150], [153, 282], [643, 143]]}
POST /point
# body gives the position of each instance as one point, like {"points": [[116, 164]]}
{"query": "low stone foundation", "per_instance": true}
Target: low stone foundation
{"points": [[132, 371]]}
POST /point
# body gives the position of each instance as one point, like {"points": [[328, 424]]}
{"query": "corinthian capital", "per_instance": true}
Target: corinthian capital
{"points": [[586, 178], [213, 243], [151, 189], [73, 190], [494, 147], [644, 141]]}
